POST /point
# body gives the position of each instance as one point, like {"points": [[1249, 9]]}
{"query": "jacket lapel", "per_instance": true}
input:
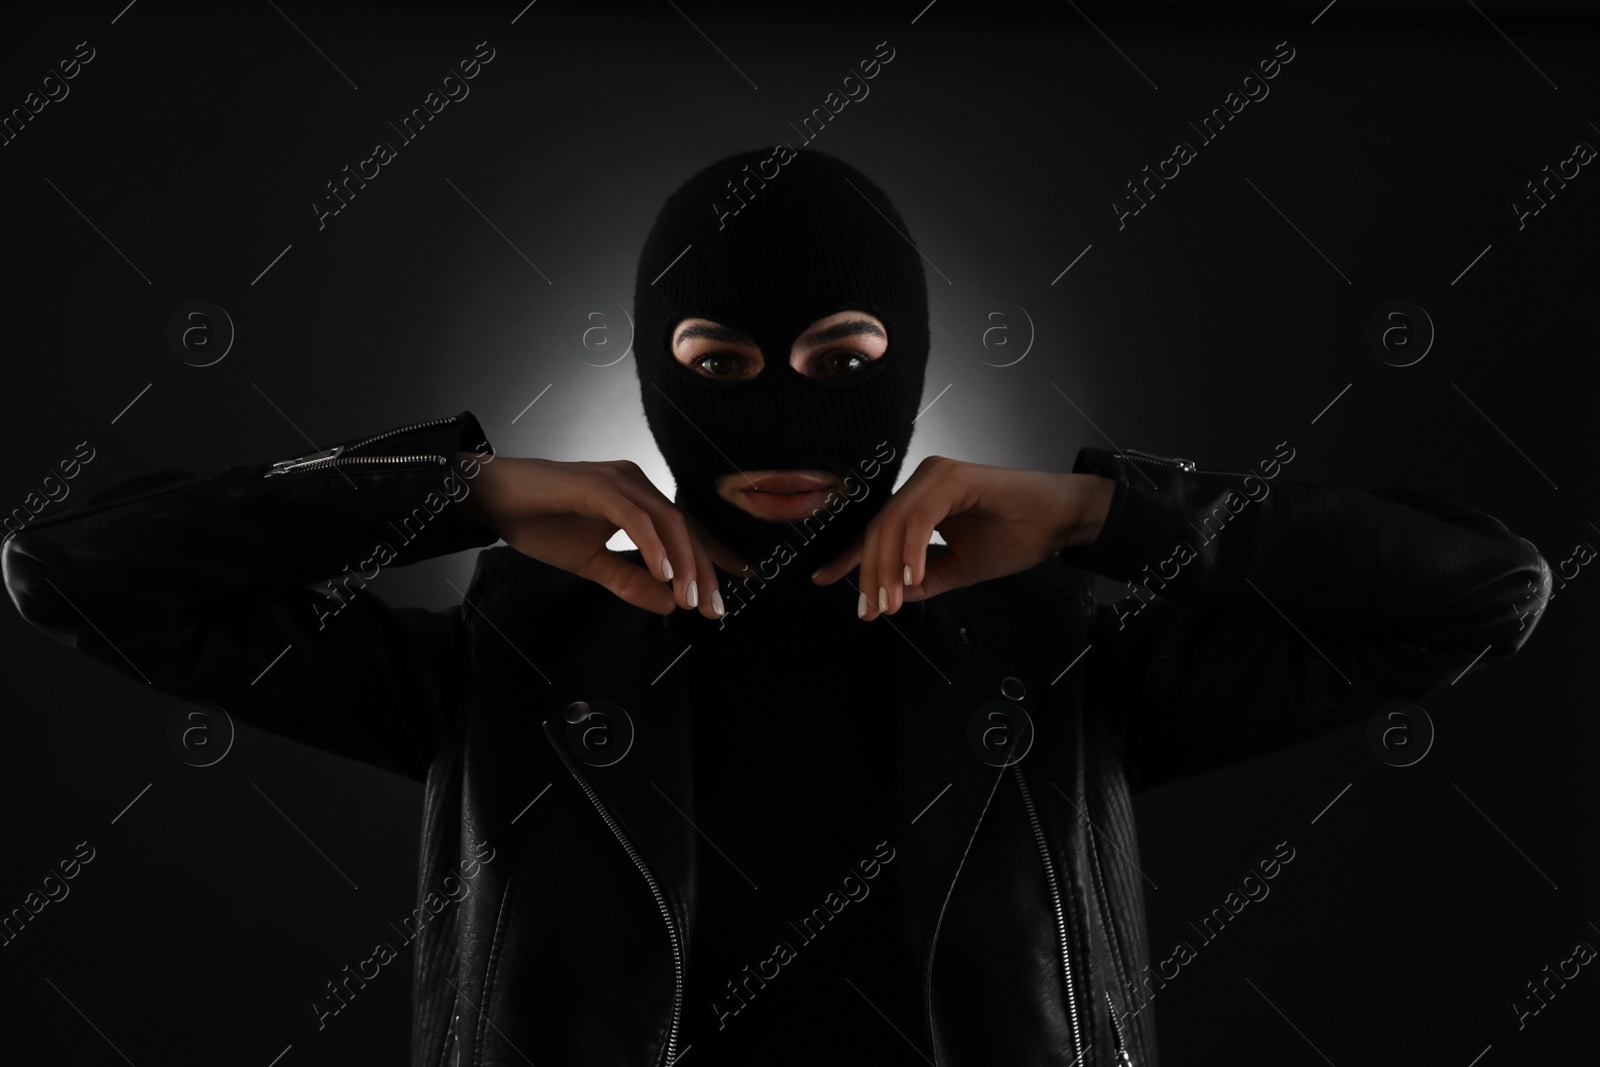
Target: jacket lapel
{"points": [[649, 789]]}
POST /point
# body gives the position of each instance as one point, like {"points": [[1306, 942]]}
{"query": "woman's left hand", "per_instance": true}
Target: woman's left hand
{"points": [[994, 520]]}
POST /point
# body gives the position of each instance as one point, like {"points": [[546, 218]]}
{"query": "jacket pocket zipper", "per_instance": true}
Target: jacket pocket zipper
{"points": [[1124, 1056], [655, 889], [1055, 900], [339, 455], [1122, 1040]]}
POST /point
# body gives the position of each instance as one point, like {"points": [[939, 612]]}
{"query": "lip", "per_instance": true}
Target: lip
{"points": [[789, 481], [790, 506], [787, 495]]}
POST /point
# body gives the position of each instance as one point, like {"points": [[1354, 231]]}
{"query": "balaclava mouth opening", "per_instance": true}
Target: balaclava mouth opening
{"points": [[768, 242]]}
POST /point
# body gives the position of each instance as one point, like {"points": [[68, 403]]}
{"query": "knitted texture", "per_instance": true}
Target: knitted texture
{"points": [[814, 238]]}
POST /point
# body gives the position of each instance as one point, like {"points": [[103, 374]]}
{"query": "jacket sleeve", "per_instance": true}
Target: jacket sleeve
{"points": [[1258, 611], [244, 587]]}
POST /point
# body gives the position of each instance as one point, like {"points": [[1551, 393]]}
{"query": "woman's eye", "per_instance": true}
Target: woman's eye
{"points": [[718, 365], [839, 364]]}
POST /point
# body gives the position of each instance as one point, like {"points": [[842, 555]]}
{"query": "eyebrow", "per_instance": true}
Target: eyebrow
{"points": [[712, 331], [839, 331]]}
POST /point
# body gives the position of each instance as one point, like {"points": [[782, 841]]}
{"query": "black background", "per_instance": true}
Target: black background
{"points": [[198, 137]]}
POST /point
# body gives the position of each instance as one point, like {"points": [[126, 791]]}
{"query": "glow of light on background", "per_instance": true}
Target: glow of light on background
{"points": [[600, 415], [1002, 416]]}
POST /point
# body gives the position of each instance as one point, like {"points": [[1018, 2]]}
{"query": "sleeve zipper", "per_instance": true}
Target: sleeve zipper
{"points": [[1187, 465], [339, 455], [1148, 457]]}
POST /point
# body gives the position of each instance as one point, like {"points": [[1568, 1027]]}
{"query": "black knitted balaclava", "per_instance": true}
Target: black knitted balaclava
{"points": [[767, 242]]}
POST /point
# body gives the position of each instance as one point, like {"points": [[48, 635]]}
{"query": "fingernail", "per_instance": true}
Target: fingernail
{"points": [[908, 574], [716, 602], [815, 573], [861, 606], [883, 599], [666, 568], [694, 596]]}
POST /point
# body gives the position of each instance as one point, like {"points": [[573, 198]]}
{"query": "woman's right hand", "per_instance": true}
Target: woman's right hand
{"points": [[564, 513]]}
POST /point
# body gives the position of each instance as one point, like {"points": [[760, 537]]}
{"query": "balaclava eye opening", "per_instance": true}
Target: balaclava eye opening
{"points": [[768, 242]]}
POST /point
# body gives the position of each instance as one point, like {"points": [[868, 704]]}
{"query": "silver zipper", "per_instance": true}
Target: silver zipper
{"points": [[1122, 1041], [1055, 900], [1175, 461], [1182, 464], [339, 455], [1125, 1057], [317, 461], [655, 888], [404, 429]]}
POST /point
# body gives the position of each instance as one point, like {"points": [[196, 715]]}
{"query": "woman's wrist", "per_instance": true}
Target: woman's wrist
{"points": [[480, 475], [1092, 494]]}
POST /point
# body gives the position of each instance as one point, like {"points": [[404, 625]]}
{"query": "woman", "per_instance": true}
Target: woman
{"points": [[785, 782]]}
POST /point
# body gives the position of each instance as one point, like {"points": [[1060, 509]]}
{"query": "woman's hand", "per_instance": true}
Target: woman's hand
{"points": [[564, 513], [996, 521]]}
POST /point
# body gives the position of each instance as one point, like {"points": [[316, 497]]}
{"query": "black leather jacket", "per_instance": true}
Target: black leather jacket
{"points": [[1299, 607]]}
